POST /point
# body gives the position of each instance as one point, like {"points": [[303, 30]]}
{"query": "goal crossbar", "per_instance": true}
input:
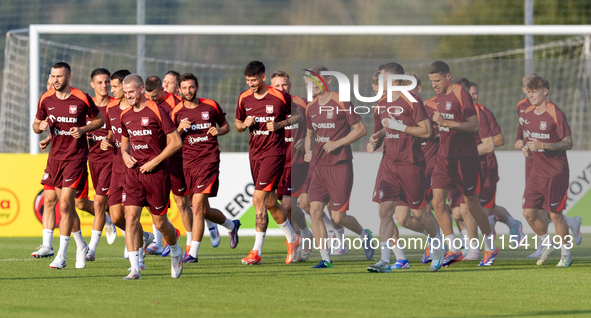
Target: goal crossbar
{"points": [[36, 29]]}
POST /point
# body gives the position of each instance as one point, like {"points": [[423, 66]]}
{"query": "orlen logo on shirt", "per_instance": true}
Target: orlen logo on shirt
{"points": [[61, 119], [144, 132], [293, 126], [117, 143], [322, 139], [323, 125], [447, 116], [140, 146], [116, 130], [536, 135], [193, 140], [264, 119], [200, 126], [290, 139]]}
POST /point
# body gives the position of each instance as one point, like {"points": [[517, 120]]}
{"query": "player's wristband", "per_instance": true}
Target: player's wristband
{"points": [[393, 124]]}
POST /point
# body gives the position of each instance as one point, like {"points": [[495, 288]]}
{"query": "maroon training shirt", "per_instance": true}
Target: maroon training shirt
{"points": [[94, 143]]}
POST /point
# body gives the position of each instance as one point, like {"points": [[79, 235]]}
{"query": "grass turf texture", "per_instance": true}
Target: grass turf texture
{"points": [[220, 286]]}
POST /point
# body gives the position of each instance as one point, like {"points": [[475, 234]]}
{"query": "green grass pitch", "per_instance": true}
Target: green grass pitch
{"points": [[220, 286]]}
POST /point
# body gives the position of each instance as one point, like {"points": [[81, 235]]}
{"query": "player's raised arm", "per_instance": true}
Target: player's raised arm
{"points": [[173, 144], [308, 145], [97, 122], [471, 124], [127, 158], [355, 134], [39, 126], [565, 143], [487, 146], [296, 117]]}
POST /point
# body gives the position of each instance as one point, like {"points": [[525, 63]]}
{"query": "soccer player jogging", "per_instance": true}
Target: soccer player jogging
{"points": [[333, 128], [168, 101], [573, 223], [196, 119], [63, 111], [149, 137], [100, 163], [457, 160], [295, 169], [549, 136], [400, 124], [489, 190], [171, 82], [263, 110]]}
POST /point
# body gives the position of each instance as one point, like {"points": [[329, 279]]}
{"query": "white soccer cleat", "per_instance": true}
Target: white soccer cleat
{"points": [[577, 231], [81, 257], [214, 235], [90, 256], [472, 255], [546, 252], [58, 263], [176, 263], [134, 275], [111, 232], [565, 261], [43, 251]]}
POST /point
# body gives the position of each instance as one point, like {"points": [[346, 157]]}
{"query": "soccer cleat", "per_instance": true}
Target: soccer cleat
{"points": [[111, 232], [471, 255], [176, 263], [577, 231], [190, 259], [125, 253], [142, 266], [546, 252], [489, 257], [367, 244], [323, 264], [518, 231], [233, 235], [81, 257], [565, 261], [437, 258], [90, 256], [43, 251], [253, 258], [214, 236], [427, 255], [292, 249], [187, 250], [400, 264], [379, 267], [538, 251], [298, 256], [154, 249], [166, 249], [133, 276], [451, 257], [58, 263]]}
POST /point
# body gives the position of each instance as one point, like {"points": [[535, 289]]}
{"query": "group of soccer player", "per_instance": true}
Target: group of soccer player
{"points": [[156, 136]]}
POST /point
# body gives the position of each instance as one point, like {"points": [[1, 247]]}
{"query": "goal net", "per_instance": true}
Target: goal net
{"points": [[218, 62]]}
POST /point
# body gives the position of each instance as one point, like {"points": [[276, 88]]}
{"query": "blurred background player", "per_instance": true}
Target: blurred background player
{"points": [[63, 111], [149, 137], [457, 161], [332, 131], [295, 169], [171, 82], [549, 137], [100, 163], [401, 125], [264, 110], [196, 119]]}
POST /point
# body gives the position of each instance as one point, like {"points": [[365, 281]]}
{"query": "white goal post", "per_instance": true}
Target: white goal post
{"points": [[36, 29]]}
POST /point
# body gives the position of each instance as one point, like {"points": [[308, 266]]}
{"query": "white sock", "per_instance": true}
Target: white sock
{"points": [[194, 248], [229, 224], [189, 238], [488, 244], [325, 254], [48, 238], [157, 236], [79, 239], [570, 222], [134, 260], [290, 235], [450, 242], [306, 232], [259, 239], [175, 250], [511, 222], [209, 224], [94, 239], [64, 240], [108, 219], [398, 253], [465, 233], [542, 238], [329, 227], [340, 233], [122, 232], [564, 250], [385, 251], [140, 254]]}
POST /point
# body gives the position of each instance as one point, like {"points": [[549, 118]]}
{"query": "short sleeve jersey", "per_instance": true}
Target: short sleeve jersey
{"points": [[430, 146], [198, 146], [274, 106], [400, 147], [168, 104], [94, 143], [113, 120], [62, 115], [456, 106], [491, 158], [330, 123], [548, 127], [295, 132], [484, 130], [146, 130], [521, 108]]}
